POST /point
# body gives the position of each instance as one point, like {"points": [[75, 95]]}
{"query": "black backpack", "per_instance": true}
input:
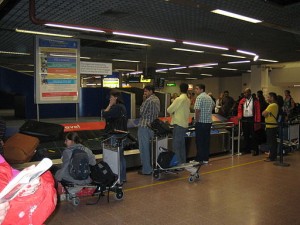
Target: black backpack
{"points": [[160, 128], [79, 167], [102, 174], [166, 158]]}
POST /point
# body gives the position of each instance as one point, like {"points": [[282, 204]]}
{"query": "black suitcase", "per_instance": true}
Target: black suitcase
{"points": [[42, 130]]}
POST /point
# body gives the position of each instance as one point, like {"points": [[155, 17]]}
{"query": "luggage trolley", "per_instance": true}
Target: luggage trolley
{"points": [[161, 144], [112, 147], [111, 155]]}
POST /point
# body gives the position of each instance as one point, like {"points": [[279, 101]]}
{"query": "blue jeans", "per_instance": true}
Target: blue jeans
{"points": [[144, 136], [179, 143], [202, 141]]}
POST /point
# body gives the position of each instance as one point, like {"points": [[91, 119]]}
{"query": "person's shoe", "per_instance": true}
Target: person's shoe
{"points": [[204, 162], [141, 173]]}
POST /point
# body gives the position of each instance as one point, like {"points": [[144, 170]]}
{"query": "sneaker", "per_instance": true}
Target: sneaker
{"points": [[205, 162]]}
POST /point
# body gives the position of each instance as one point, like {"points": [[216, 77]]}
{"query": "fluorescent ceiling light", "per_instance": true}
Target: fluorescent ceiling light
{"points": [[205, 45], [127, 43], [26, 71], [203, 65], [62, 55], [191, 78], [136, 72], [42, 33], [237, 62], [14, 53], [205, 74], [160, 70], [233, 56], [248, 71], [82, 57], [178, 68], [125, 60], [143, 36], [246, 52], [255, 58], [181, 73], [74, 27], [169, 64], [267, 60], [187, 50], [228, 69], [207, 67], [236, 16], [125, 70]]}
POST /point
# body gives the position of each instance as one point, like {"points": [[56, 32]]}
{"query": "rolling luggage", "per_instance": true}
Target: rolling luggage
{"points": [[20, 148], [42, 130]]}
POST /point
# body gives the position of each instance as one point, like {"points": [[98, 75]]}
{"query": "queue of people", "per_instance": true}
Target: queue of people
{"points": [[251, 110]]}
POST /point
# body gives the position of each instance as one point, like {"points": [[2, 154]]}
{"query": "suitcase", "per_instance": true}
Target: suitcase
{"points": [[43, 131], [20, 148]]}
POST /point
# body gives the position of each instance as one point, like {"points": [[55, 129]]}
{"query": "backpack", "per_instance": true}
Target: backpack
{"points": [[102, 174], [79, 167], [160, 128], [167, 159]]}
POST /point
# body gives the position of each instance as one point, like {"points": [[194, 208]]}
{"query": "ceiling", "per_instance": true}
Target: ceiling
{"points": [[276, 38]]}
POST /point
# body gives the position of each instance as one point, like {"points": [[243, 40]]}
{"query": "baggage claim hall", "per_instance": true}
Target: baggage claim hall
{"points": [[231, 68]]}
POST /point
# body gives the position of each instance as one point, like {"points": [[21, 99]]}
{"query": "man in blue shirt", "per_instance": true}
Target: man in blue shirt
{"points": [[203, 111], [149, 111]]}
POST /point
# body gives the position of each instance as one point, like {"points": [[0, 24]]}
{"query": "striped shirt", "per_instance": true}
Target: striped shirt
{"points": [[149, 110], [205, 105]]}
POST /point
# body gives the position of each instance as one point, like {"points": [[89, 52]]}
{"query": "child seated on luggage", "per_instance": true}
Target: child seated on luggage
{"points": [[73, 169]]}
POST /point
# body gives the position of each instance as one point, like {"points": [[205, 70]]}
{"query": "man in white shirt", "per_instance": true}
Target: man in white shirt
{"points": [[180, 111]]}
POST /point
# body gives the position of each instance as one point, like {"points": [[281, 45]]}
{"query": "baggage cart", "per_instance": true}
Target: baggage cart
{"points": [[160, 144], [112, 147]]}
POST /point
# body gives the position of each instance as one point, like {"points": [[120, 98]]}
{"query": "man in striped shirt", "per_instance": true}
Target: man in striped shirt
{"points": [[149, 111], [203, 111]]}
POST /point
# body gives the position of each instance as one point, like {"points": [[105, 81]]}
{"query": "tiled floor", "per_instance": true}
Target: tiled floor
{"points": [[234, 190]]}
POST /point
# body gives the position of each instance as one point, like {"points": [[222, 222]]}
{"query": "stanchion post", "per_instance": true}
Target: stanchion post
{"points": [[280, 162], [239, 138]]}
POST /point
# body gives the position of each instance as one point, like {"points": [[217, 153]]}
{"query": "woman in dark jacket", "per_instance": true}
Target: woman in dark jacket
{"points": [[116, 119]]}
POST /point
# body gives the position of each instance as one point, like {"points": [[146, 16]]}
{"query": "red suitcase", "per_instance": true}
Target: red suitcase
{"points": [[20, 148]]}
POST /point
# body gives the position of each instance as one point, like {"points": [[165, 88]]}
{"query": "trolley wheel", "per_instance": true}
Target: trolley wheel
{"points": [[197, 176], [119, 195], [156, 174], [69, 197], [191, 179], [75, 201]]}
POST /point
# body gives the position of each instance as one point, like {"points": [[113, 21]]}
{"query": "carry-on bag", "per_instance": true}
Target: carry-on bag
{"points": [[20, 148]]}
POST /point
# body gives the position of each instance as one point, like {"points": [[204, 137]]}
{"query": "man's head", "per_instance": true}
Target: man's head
{"points": [[247, 93], [184, 87], [148, 90], [226, 93], [199, 88]]}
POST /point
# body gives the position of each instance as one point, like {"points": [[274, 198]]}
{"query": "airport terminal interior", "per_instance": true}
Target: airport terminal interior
{"points": [[59, 61]]}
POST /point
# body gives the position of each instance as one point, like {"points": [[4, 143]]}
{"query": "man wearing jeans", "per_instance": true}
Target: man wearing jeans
{"points": [[149, 111], [180, 111], [203, 110]]}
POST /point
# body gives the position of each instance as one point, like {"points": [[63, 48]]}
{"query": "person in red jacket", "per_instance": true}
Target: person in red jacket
{"points": [[250, 116], [33, 205]]}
